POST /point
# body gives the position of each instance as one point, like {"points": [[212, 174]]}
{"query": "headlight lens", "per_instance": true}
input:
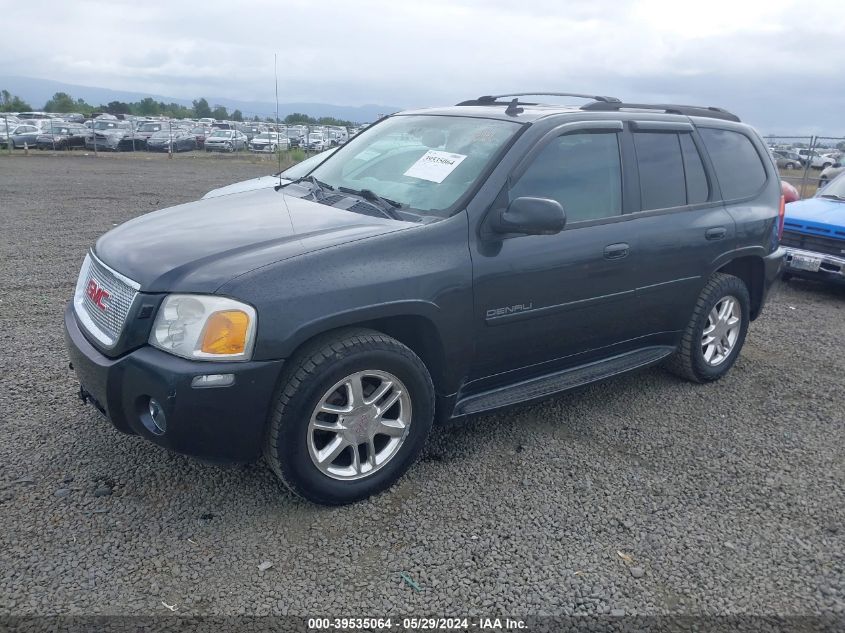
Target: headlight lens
{"points": [[205, 327]]}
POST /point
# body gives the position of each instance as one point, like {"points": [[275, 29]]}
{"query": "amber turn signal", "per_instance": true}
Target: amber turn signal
{"points": [[225, 333]]}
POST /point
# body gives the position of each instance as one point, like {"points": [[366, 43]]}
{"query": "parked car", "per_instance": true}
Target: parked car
{"points": [[788, 160], [63, 137], [225, 141], [23, 135], [252, 130], [112, 135], [296, 137], [814, 235], [145, 131], [830, 172], [299, 170], [823, 161], [269, 142], [317, 142], [443, 263], [200, 133], [179, 140]]}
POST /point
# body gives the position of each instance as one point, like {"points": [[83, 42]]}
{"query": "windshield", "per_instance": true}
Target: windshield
{"points": [[835, 188], [150, 127], [303, 167], [221, 134], [265, 136], [104, 125], [423, 162], [163, 134]]}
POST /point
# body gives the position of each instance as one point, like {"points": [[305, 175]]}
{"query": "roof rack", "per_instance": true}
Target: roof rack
{"points": [[668, 108], [492, 99]]}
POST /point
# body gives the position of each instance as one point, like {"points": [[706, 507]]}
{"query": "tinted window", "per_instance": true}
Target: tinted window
{"points": [[662, 183], [581, 171], [737, 163], [697, 188]]}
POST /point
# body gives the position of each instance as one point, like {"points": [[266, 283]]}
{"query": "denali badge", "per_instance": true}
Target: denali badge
{"points": [[519, 307], [97, 294]]}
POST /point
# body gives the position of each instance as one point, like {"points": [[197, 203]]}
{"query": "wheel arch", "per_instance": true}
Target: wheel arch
{"points": [[417, 332], [751, 270]]}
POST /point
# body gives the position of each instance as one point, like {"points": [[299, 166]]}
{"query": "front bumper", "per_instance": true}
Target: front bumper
{"points": [[217, 423], [831, 267]]}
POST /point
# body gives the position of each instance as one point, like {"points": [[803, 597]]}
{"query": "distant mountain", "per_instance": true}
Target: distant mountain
{"points": [[38, 91]]}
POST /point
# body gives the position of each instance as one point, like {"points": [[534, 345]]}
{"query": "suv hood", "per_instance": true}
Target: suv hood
{"points": [[199, 246]]}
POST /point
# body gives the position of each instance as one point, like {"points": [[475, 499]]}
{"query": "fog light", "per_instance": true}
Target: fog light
{"points": [[213, 380], [157, 415]]}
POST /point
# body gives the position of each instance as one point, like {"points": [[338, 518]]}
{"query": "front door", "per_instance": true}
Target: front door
{"points": [[544, 302]]}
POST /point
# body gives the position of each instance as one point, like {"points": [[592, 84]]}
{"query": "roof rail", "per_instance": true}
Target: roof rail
{"points": [[668, 108], [491, 99]]}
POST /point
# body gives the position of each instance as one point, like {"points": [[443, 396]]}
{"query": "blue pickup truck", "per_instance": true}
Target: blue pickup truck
{"points": [[814, 235]]}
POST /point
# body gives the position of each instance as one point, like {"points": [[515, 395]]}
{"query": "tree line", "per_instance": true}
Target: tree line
{"points": [[200, 108]]}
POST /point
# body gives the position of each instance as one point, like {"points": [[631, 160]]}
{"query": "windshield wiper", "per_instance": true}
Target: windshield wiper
{"points": [[832, 196], [316, 185], [385, 205]]}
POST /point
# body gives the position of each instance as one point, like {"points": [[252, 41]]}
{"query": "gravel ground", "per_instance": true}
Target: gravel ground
{"points": [[644, 494]]}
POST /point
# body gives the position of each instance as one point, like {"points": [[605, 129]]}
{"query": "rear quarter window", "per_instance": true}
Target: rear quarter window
{"points": [[738, 166]]}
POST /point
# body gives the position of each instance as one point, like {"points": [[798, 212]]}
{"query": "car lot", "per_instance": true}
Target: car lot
{"points": [[645, 493]]}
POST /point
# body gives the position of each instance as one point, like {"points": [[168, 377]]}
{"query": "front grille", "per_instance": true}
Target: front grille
{"points": [[99, 284], [814, 243]]}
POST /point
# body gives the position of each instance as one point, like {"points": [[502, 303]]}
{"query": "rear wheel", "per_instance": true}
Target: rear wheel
{"points": [[716, 331], [352, 414]]}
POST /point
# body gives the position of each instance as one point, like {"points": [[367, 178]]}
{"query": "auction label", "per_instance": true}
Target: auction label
{"points": [[435, 165], [416, 624]]}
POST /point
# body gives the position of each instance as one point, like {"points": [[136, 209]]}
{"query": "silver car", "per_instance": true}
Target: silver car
{"points": [[225, 141]]}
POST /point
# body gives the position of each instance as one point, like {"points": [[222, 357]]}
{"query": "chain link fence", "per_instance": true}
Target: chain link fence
{"points": [[807, 162]]}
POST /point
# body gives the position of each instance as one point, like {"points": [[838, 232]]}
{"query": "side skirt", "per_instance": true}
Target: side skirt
{"points": [[544, 386]]}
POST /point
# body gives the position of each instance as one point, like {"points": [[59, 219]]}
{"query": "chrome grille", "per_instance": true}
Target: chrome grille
{"points": [[103, 299]]}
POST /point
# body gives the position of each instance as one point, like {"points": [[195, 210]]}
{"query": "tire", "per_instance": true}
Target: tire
{"points": [[826, 165], [786, 277], [689, 360], [309, 380], [790, 165]]}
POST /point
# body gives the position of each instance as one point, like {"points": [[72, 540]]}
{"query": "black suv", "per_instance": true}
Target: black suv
{"points": [[444, 262]]}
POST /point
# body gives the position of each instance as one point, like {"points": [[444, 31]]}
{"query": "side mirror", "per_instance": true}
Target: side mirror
{"points": [[530, 216]]}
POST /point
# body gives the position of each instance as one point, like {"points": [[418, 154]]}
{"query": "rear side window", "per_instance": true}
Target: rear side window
{"points": [[671, 171], [661, 167], [582, 171], [738, 165]]}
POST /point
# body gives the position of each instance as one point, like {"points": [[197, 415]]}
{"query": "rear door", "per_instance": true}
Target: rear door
{"points": [[682, 224]]}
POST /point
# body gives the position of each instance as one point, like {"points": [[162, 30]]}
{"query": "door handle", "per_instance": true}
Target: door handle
{"points": [[616, 251], [716, 233]]}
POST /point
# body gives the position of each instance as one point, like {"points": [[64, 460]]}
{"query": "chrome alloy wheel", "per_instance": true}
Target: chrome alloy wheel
{"points": [[359, 425], [722, 330]]}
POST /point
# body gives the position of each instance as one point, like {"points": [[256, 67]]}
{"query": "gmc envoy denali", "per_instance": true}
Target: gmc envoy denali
{"points": [[443, 263]]}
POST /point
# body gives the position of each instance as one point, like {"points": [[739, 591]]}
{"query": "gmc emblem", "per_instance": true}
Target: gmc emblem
{"points": [[96, 294]]}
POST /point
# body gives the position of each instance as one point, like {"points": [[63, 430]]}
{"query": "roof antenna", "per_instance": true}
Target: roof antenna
{"points": [[513, 107], [276, 73]]}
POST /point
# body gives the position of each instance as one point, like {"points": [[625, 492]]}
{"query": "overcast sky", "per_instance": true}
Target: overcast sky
{"points": [[776, 63]]}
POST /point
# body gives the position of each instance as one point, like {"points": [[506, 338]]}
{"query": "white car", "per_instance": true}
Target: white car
{"points": [[225, 141], [831, 172], [269, 142]]}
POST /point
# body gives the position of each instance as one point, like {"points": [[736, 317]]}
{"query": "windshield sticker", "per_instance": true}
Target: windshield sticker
{"points": [[367, 154], [435, 165]]}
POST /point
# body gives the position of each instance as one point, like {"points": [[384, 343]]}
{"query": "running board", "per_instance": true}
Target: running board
{"points": [[543, 386]]}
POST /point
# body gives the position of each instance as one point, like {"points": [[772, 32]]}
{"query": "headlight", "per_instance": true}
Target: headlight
{"points": [[205, 327]]}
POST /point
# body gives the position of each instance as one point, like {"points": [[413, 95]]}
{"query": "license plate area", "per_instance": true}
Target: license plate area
{"points": [[805, 262]]}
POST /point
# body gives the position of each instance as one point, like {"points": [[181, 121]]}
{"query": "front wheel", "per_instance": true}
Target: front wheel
{"points": [[716, 331], [352, 414]]}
